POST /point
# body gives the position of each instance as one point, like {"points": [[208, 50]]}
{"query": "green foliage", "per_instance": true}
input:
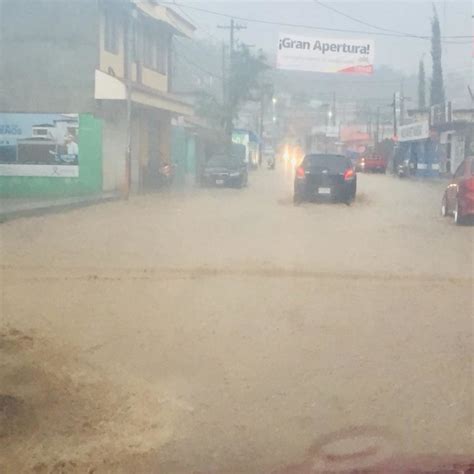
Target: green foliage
{"points": [[421, 85], [437, 82], [209, 108], [244, 81]]}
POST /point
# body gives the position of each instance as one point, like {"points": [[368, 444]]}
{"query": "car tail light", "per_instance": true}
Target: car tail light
{"points": [[467, 185], [300, 172], [348, 174]]}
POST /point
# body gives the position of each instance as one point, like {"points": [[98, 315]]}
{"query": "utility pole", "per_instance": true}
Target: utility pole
{"points": [[334, 107], [128, 83], [395, 126], [224, 73], [470, 93], [233, 27], [402, 102], [261, 118], [377, 131]]}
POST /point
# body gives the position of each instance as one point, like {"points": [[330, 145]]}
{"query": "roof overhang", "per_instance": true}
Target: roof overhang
{"points": [[165, 101], [108, 87], [153, 10]]}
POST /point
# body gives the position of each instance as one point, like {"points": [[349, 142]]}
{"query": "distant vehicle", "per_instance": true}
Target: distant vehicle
{"points": [[166, 174], [325, 176], [250, 141], [226, 169], [404, 169], [372, 163], [458, 199], [269, 157]]}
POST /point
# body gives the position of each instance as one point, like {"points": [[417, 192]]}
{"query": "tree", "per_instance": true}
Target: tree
{"points": [[421, 86], [243, 84], [210, 108], [437, 82]]}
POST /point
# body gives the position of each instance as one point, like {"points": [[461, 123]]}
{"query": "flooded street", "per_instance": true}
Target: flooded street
{"points": [[234, 332]]}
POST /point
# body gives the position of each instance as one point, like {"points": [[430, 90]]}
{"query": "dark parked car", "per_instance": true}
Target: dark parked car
{"points": [[458, 199], [326, 177], [225, 169]]}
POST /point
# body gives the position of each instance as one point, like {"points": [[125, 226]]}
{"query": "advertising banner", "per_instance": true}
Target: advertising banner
{"points": [[316, 54], [414, 131], [39, 145]]}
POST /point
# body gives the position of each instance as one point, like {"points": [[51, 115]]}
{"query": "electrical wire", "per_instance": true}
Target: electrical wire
{"points": [[357, 20], [311, 27], [401, 33], [183, 57], [206, 29]]}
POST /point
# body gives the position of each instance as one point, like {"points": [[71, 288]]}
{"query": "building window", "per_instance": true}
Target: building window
{"points": [[111, 41], [155, 51]]}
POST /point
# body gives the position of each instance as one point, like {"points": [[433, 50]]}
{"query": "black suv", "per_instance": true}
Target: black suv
{"points": [[323, 176]]}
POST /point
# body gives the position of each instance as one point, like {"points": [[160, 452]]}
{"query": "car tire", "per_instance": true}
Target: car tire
{"points": [[350, 199], [458, 219], [444, 207], [297, 199]]}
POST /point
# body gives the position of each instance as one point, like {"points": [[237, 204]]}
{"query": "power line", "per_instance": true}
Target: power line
{"points": [[200, 68], [371, 25], [185, 58], [357, 20], [205, 29], [295, 25]]}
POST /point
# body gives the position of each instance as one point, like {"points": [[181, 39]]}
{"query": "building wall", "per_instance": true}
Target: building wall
{"points": [[140, 147], [90, 169], [49, 55], [114, 147], [458, 150], [155, 80], [109, 61], [115, 62]]}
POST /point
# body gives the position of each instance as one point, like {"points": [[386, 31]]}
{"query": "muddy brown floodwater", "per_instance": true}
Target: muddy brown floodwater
{"points": [[227, 331]]}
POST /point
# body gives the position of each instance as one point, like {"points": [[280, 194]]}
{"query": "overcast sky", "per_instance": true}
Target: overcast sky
{"points": [[403, 54]]}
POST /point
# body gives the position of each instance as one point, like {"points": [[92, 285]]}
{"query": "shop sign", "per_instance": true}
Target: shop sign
{"points": [[414, 131]]}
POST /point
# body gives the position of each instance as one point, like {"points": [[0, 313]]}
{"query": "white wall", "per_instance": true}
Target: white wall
{"points": [[114, 152], [457, 151]]}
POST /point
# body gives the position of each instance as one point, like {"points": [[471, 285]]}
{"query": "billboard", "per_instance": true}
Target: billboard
{"points": [[414, 131], [39, 145], [317, 54]]}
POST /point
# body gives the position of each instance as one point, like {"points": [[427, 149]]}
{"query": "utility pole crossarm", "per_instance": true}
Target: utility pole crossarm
{"points": [[233, 27]]}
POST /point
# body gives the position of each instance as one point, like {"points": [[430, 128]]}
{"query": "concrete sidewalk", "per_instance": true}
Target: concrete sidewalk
{"points": [[13, 208]]}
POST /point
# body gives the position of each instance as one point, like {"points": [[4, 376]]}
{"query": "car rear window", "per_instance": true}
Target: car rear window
{"points": [[225, 160], [333, 163], [218, 160]]}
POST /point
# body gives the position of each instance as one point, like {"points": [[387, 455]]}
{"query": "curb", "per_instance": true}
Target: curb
{"points": [[55, 208]]}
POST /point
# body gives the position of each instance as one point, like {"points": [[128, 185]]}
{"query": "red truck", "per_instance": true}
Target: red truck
{"points": [[372, 163]]}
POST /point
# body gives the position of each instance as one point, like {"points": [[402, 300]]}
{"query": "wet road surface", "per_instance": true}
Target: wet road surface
{"points": [[251, 334]]}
